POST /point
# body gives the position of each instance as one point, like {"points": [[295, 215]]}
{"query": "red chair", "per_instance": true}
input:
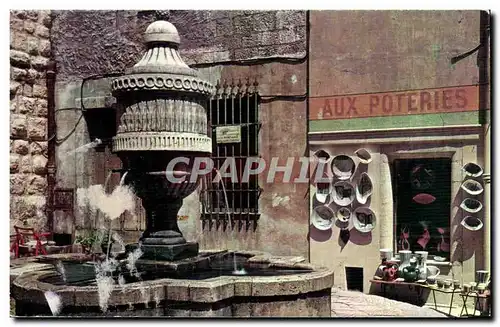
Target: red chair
{"points": [[29, 239]]}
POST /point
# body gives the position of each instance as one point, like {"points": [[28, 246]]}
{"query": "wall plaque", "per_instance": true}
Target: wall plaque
{"points": [[228, 134]]}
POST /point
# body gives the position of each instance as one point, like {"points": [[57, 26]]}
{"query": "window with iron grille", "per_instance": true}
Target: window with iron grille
{"points": [[235, 108]]}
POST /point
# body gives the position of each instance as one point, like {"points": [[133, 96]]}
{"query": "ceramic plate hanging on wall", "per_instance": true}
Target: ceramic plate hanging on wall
{"points": [[364, 188], [364, 219], [343, 167], [471, 205], [323, 217], [472, 169], [364, 156], [343, 193], [343, 215], [323, 192], [472, 223], [472, 187]]}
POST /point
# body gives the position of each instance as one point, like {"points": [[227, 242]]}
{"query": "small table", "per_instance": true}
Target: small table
{"points": [[442, 290], [476, 296], [411, 286]]}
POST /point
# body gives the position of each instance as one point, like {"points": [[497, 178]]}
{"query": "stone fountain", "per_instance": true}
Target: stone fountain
{"points": [[161, 111], [162, 116]]}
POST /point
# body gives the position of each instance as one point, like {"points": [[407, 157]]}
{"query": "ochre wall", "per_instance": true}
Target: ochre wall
{"points": [[371, 52]]}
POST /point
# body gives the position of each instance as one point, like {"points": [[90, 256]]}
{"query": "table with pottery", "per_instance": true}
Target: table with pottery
{"points": [[478, 290], [411, 269]]}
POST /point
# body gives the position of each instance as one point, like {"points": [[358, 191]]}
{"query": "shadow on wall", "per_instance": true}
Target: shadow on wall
{"points": [[319, 235], [360, 238]]}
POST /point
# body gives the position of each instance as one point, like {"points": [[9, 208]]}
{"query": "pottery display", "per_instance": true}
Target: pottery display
{"points": [[440, 282], [431, 281], [433, 271], [385, 254], [421, 257], [364, 156], [472, 223], [343, 167], [323, 217], [472, 169], [343, 193], [364, 188], [472, 187], [482, 276], [343, 215], [471, 205], [410, 272], [364, 219], [404, 257], [448, 283]]}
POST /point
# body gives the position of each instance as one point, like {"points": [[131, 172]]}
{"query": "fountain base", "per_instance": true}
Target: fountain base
{"points": [[167, 252]]}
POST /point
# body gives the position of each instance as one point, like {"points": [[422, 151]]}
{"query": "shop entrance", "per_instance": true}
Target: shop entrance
{"points": [[422, 196]]}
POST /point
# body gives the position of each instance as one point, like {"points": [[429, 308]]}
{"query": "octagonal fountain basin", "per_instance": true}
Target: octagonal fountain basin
{"points": [[261, 285]]}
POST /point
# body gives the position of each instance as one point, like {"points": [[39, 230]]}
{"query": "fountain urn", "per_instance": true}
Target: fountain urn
{"points": [[161, 117]]}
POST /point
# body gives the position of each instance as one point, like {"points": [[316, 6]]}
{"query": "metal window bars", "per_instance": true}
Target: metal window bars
{"points": [[235, 105]]}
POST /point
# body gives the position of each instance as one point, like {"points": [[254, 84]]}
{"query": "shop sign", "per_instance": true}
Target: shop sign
{"points": [[228, 134], [413, 102]]}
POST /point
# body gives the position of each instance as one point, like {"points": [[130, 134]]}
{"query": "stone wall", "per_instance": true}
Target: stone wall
{"points": [[96, 42], [29, 54]]}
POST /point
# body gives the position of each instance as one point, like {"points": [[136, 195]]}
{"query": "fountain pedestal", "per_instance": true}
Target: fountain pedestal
{"points": [[162, 194]]}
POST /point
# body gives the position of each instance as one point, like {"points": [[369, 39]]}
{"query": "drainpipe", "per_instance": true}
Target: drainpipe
{"points": [[484, 63], [51, 132]]}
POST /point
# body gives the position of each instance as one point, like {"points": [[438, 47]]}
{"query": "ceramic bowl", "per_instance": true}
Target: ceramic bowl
{"points": [[439, 259], [440, 282], [448, 283], [431, 280]]}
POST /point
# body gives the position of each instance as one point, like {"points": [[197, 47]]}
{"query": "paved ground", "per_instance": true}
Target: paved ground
{"points": [[357, 304]]}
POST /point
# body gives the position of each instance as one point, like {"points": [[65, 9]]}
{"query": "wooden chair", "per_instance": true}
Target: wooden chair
{"points": [[27, 238]]}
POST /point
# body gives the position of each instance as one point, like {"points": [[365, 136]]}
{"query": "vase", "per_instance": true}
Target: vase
{"points": [[421, 257], [404, 257], [411, 272]]}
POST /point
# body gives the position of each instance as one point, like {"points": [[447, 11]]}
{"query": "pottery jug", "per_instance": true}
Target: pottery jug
{"points": [[404, 257], [410, 273], [421, 257]]}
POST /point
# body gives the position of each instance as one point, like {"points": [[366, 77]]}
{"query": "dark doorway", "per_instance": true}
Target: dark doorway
{"points": [[354, 277], [422, 195]]}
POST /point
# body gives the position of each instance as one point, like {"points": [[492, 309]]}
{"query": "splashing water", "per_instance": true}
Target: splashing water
{"points": [[119, 240], [144, 296], [131, 261], [121, 281], [54, 301], [60, 269], [83, 148], [105, 282]]}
